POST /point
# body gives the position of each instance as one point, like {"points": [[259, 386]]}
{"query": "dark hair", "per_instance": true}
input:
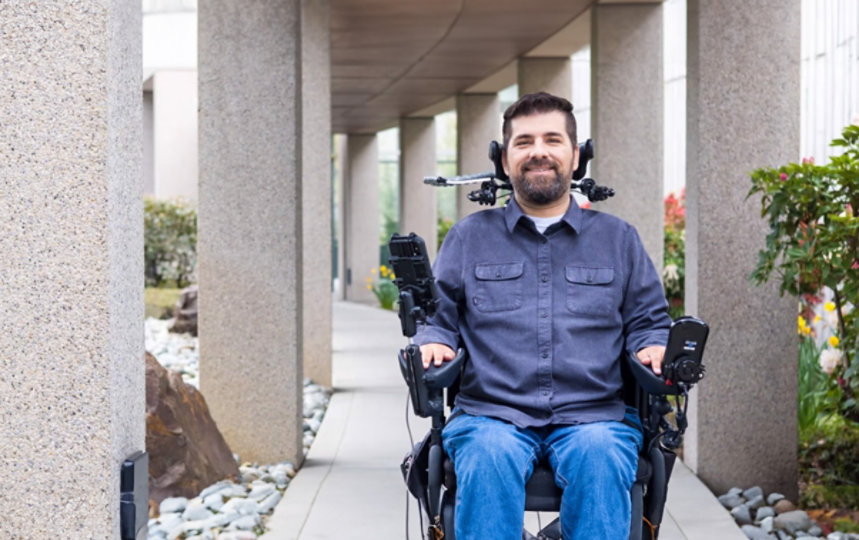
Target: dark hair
{"points": [[539, 102]]}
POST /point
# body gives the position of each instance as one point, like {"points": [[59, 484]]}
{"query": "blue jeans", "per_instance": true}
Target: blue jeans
{"points": [[594, 464]]}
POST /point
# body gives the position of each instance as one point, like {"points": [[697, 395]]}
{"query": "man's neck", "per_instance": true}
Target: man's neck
{"points": [[552, 209]]}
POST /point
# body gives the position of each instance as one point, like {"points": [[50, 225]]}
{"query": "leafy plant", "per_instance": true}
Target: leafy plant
{"points": [[674, 269], [819, 394], [170, 242], [384, 288], [444, 226], [813, 243]]}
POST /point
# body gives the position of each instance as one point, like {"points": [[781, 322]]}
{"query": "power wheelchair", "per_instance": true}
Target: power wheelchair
{"points": [[426, 470]]}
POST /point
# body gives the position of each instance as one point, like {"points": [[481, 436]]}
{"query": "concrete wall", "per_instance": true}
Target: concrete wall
{"points": [[361, 225], [71, 296], [478, 122], [418, 200]]}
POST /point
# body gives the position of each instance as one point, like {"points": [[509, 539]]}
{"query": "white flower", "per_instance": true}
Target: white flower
{"points": [[829, 360], [669, 273]]}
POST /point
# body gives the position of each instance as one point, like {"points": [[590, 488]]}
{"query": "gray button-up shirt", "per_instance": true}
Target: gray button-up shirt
{"points": [[545, 317]]}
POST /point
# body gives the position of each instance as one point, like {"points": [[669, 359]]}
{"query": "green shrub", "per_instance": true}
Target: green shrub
{"points": [[170, 242]]}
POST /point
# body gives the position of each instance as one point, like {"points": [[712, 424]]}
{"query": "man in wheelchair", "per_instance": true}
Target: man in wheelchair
{"points": [[546, 298]]}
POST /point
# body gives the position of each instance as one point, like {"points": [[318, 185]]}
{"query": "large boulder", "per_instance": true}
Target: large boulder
{"points": [[186, 451], [185, 312]]}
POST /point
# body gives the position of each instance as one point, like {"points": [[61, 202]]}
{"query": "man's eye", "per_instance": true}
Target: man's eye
{"points": [[522, 142]]}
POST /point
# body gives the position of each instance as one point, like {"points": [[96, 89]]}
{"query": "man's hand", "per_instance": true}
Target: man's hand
{"points": [[436, 353], [652, 356]]}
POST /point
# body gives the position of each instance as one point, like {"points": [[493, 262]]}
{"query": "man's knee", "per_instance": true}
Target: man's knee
{"points": [[485, 446]]}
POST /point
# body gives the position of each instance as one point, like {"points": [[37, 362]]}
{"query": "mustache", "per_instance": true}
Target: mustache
{"points": [[539, 164]]}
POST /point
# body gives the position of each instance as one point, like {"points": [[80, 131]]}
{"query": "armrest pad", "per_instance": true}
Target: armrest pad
{"points": [[649, 381], [438, 377]]}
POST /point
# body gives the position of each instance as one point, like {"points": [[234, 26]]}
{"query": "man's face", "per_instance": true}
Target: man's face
{"points": [[540, 158]]}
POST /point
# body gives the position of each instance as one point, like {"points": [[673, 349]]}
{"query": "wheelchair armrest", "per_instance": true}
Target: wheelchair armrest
{"points": [[426, 386], [646, 379], [443, 376]]}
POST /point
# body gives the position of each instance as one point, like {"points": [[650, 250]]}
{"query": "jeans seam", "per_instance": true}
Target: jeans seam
{"points": [[558, 474]]}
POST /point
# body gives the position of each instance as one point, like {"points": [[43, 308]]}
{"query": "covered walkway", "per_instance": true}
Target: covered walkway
{"points": [[350, 485]]}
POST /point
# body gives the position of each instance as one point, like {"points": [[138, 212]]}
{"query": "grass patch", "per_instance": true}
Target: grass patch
{"points": [[160, 302]]}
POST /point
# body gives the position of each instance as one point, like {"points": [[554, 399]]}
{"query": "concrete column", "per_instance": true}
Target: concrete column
{"points": [[742, 113], [72, 387], [552, 75], [316, 189], [250, 225], [418, 200], [478, 121], [361, 215], [340, 167], [626, 114]]}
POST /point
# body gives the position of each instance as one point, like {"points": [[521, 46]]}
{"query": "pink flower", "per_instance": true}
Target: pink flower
{"points": [[855, 265], [783, 177], [808, 161]]}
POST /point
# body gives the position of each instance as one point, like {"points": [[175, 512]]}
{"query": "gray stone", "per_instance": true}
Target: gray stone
{"points": [[261, 491], [815, 530], [244, 507], [172, 504], [214, 501], [767, 524], [742, 515], [755, 502], [764, 512], [237, 535], [783, 506], [731, 500], [835, 536], [773, 498], [245, 523], [753, 492], [196, 511], [268, 504], [796, 520], [755, 533], [782, 535]]}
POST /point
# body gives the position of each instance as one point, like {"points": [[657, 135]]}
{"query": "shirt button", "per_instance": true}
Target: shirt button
{"points": [[544, 314], [545, 355], [545, 392], [476, 301], [544, 279]]}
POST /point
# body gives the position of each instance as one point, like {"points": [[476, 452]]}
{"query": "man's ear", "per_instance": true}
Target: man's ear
{"points": [[504, 161], [575, 157]]}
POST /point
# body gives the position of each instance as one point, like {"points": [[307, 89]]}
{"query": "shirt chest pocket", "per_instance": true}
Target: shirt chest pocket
{"points": [[498, 286], [591, 290]]}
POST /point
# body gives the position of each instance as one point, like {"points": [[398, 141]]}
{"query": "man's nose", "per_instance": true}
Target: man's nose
{"points": [[539, 150]]}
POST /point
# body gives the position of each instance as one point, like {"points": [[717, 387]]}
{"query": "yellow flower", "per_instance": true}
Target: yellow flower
{"points": [[834, 341], [806, 330], [829, 306], [817, 319], [800, 324], [372, 270], [369, 287]]}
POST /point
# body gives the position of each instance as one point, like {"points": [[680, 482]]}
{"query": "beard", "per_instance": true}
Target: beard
{"points": [[540, 188]]}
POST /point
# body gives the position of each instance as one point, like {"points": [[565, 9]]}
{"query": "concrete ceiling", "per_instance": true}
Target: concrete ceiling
{"points": [[392, 58]]}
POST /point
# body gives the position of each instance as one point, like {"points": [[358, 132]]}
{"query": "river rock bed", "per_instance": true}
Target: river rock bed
{"points": [[226, 510], [773, 517]]}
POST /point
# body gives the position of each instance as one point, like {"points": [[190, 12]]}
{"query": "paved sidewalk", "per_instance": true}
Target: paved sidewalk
{"points": [[350, 485]]}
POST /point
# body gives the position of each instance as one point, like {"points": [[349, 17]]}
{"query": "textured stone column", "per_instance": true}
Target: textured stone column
{"points": [[361, 215], [316, 189], [626, 111], [418, 200], [478, 121], [72, 388], [340, 167], [742, 113], [552, 75], [250, 225]]}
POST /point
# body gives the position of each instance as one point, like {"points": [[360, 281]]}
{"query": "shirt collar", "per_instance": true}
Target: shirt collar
{"points": [[572, 217]]}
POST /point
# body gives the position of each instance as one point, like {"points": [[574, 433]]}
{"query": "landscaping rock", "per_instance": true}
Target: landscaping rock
{"points": [[764, 512], [185, 312], [793, 521], [186, 450], [783, 506], [742, 515], [773, 498], [731, 500], [756, 533]]}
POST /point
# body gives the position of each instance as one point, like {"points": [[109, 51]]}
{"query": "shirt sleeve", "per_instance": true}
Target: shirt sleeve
{"points": [[645, 310], [443, 327]]}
